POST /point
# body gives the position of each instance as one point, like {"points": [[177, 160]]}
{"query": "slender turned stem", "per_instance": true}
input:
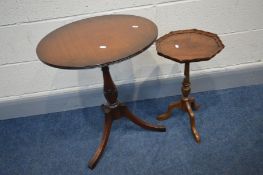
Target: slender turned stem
{"points": [[110, 90], [186, 89], [186, 71], [186, 103]]}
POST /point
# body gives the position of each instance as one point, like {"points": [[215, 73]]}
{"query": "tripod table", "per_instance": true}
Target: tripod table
{"points": [[98, 42], [186, 46]]}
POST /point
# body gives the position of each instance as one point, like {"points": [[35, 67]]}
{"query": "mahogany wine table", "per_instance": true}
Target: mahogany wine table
{"points": [[99, 42], [185, 46]]}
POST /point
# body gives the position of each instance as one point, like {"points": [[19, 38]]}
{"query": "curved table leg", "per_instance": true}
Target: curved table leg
{"points": [[193, 103], [106, 132], [170, 108], [113, 111], [192, 122], [140, 122]]}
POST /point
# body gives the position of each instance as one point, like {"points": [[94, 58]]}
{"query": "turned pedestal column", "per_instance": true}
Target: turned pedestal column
{"points": [[115, 110], [186, 104], [99, 42], [186, 46]]}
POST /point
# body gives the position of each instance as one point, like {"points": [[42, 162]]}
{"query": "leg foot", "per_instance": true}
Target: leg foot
{"points": [[140, 122], [107, 127], [193, 103], [113, 111], [170, 108], [186, 104], [192, 122]]}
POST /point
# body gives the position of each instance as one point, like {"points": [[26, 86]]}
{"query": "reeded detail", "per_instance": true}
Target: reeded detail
{"points": [[97, 41]]}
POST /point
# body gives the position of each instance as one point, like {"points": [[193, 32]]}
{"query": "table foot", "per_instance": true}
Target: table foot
{"points": [[187, 105], [113, 111], [194, 105], [105, 136], [192, 122], [140, 122], [170, 108], [114, 114]]}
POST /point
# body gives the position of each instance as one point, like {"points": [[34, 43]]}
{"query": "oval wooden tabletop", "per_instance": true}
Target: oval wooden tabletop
{"points": [[97, 41], [189, 45]]}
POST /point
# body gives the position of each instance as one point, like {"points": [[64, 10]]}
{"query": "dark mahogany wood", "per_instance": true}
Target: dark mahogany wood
{"points": [[190, 45], [115, 110], [185, 46], [105, 136], [98, 42], [186, 104]]}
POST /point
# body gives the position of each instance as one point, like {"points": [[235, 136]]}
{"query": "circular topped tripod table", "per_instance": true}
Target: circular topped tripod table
{"points": [[98, 42], [185, 46]]}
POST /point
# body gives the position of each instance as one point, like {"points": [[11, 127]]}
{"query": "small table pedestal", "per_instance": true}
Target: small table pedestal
{"points": [[185, 46], [115, 110], [186, 104]]}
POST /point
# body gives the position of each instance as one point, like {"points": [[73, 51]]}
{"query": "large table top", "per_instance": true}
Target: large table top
{"points": [[97, 41]]}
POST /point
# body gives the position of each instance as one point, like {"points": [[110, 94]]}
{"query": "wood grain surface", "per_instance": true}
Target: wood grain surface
{"points": [[189, 45], [97, 41]]}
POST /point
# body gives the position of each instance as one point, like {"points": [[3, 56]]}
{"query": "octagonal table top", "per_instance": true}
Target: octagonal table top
{"points": [[97, 41], [190, 45]]}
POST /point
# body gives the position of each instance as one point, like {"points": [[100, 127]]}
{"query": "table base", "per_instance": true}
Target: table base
{"points": [[113, 111], [186, 104]]}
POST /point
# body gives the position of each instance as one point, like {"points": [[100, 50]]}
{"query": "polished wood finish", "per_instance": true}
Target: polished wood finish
{"points": [[186, 104], [114, 110], [97, 41], [187, 46]]}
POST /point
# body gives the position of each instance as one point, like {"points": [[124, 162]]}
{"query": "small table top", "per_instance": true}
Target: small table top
{"points": [[97, 41], [189, 45]]}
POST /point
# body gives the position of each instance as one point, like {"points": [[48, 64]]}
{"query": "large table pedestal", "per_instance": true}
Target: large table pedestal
{"points": [[115, 110]]}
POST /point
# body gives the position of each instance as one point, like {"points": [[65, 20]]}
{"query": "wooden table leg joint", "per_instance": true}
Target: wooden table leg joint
{"points": [[113, 111], [186, 104]]}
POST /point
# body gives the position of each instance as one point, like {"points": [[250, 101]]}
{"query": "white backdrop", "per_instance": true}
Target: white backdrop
{"points": [[23, 23]]}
